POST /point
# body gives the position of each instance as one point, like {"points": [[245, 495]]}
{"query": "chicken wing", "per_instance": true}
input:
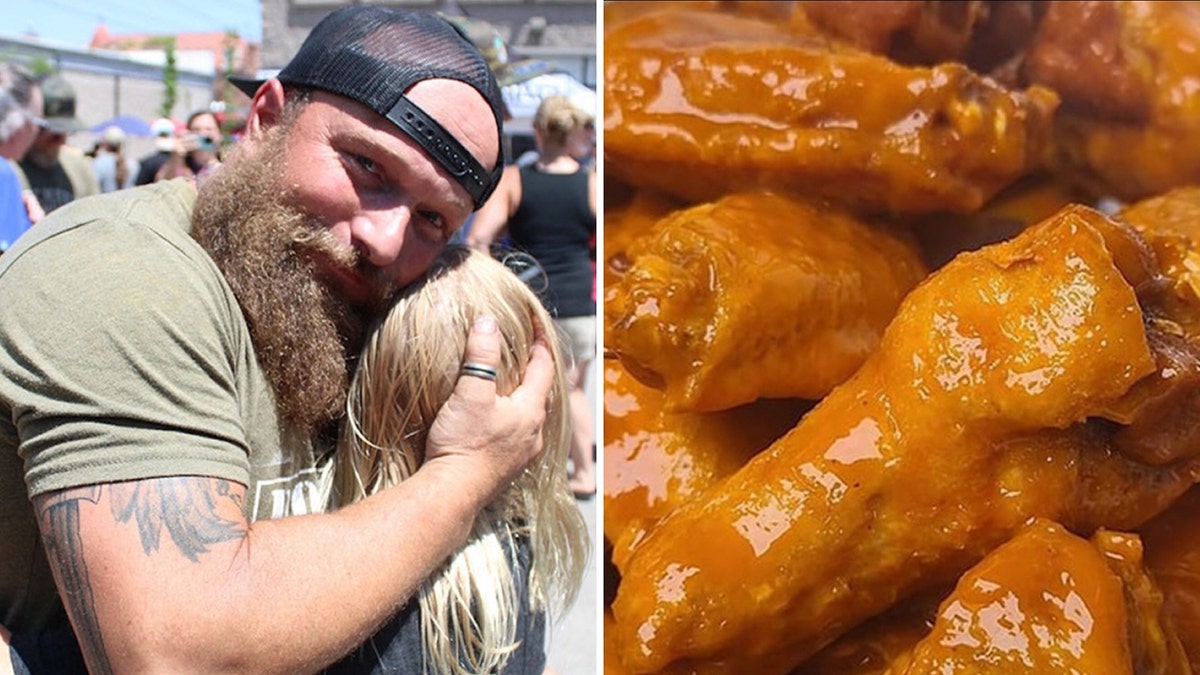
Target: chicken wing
{"points": [[654, 460], [1128, 73], [989, 37], [614, 666], [612, 663], [730, 104], [618, 13], [1170, 223], [1162, 415], [970, 418], [1172, 543], [909, 31], [756, 296], [627, 222], [1049, 601], [871, 647]]}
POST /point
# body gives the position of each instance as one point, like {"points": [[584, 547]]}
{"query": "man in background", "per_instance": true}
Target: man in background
{"points": [[55, 172]]}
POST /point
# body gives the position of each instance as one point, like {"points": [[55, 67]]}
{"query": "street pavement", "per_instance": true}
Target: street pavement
{"points": [[574, 642]]}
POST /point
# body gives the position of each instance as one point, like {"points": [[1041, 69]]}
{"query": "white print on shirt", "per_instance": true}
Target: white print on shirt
{"points": [[295, 495]]}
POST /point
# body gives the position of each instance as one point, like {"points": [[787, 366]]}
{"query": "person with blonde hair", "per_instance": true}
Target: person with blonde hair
{"points": [[485, 610], [582, 141], [548, 210]]}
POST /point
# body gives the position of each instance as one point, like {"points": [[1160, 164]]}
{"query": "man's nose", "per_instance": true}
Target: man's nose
{"points": [[379, 235]]}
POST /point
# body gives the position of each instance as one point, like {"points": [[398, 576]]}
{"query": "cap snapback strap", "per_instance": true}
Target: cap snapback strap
{"points": [[446, 149]]}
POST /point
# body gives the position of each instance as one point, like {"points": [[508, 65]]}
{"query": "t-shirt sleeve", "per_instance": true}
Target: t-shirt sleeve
{"points": [[14, 220], [118, 360]]}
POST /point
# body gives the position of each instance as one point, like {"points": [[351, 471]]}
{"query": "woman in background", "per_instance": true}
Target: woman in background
{"points": [[548, 210], [195, 153]]}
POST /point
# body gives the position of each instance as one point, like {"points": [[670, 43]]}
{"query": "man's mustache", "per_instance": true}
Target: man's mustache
{"points": [[315, 238]]}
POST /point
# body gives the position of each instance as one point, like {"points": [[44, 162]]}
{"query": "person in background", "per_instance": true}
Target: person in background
{"points": [[548, 210], [582, 144], [56, 172], [114, 171], [178, 362], [163, 130], [20, 116], [488, 609], [196, 152]]}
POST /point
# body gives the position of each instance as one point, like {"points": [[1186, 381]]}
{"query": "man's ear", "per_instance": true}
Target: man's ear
{"points": [[266, 108]]}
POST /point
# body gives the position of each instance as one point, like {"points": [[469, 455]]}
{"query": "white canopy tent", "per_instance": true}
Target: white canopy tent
{"points": [[524, 97]]}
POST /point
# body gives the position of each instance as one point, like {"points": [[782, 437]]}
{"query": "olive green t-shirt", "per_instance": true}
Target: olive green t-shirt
{"points": [[124, 355]]}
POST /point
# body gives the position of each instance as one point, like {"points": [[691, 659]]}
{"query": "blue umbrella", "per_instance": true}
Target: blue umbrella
{"points": [[130, 124]]}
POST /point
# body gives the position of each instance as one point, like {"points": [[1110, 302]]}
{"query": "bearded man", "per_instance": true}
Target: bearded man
{"points": [[176, 358]]}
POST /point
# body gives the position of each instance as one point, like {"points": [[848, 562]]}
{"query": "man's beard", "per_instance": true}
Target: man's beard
{"points": [[303, 333]]}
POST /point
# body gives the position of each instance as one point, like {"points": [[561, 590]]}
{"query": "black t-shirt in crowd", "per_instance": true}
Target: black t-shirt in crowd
{"points": [[50, 185]]}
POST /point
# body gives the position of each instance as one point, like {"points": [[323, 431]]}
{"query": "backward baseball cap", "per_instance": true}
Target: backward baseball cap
{"points": [[374, 54]]}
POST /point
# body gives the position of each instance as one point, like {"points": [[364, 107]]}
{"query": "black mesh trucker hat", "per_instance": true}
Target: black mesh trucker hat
{"points": [[374, 54]]}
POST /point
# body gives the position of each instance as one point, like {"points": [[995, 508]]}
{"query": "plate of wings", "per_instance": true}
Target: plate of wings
{"points": [[901, 312]]}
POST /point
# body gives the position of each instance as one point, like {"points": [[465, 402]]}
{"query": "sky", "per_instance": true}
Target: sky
{"points": [[72, 22]]}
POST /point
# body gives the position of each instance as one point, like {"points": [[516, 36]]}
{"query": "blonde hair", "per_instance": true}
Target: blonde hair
{"points": [[409, 367], [556, 118]]}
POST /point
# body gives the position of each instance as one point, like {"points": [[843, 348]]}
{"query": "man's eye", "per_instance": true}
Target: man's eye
{"points": [[368, 164], [434, 217]]}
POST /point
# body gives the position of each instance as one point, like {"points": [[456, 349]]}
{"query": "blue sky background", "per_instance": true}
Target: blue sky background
{"points": [[72, 22]]}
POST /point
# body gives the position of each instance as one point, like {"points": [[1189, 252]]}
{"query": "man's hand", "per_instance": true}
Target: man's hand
{"points": [[33, 208], [489, 438]]}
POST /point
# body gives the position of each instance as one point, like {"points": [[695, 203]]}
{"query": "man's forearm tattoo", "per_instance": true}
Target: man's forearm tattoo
{"points": [[186, 507]]}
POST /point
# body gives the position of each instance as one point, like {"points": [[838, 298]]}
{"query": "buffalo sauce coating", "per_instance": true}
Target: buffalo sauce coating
{"points": [[1048, 601], [1044, 602], [871, 647], [1172, 542], [956, 431], [1129, 76], [1170, 224], [756, 295], [655, 460], [731, 104], [1162, 419]]}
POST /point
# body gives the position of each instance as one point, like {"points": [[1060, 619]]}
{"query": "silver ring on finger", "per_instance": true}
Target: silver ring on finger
{"points": [[479, 370]]}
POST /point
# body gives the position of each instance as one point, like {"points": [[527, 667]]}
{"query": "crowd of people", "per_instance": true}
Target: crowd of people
{"points": [[257, 410], [46, 173]]}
